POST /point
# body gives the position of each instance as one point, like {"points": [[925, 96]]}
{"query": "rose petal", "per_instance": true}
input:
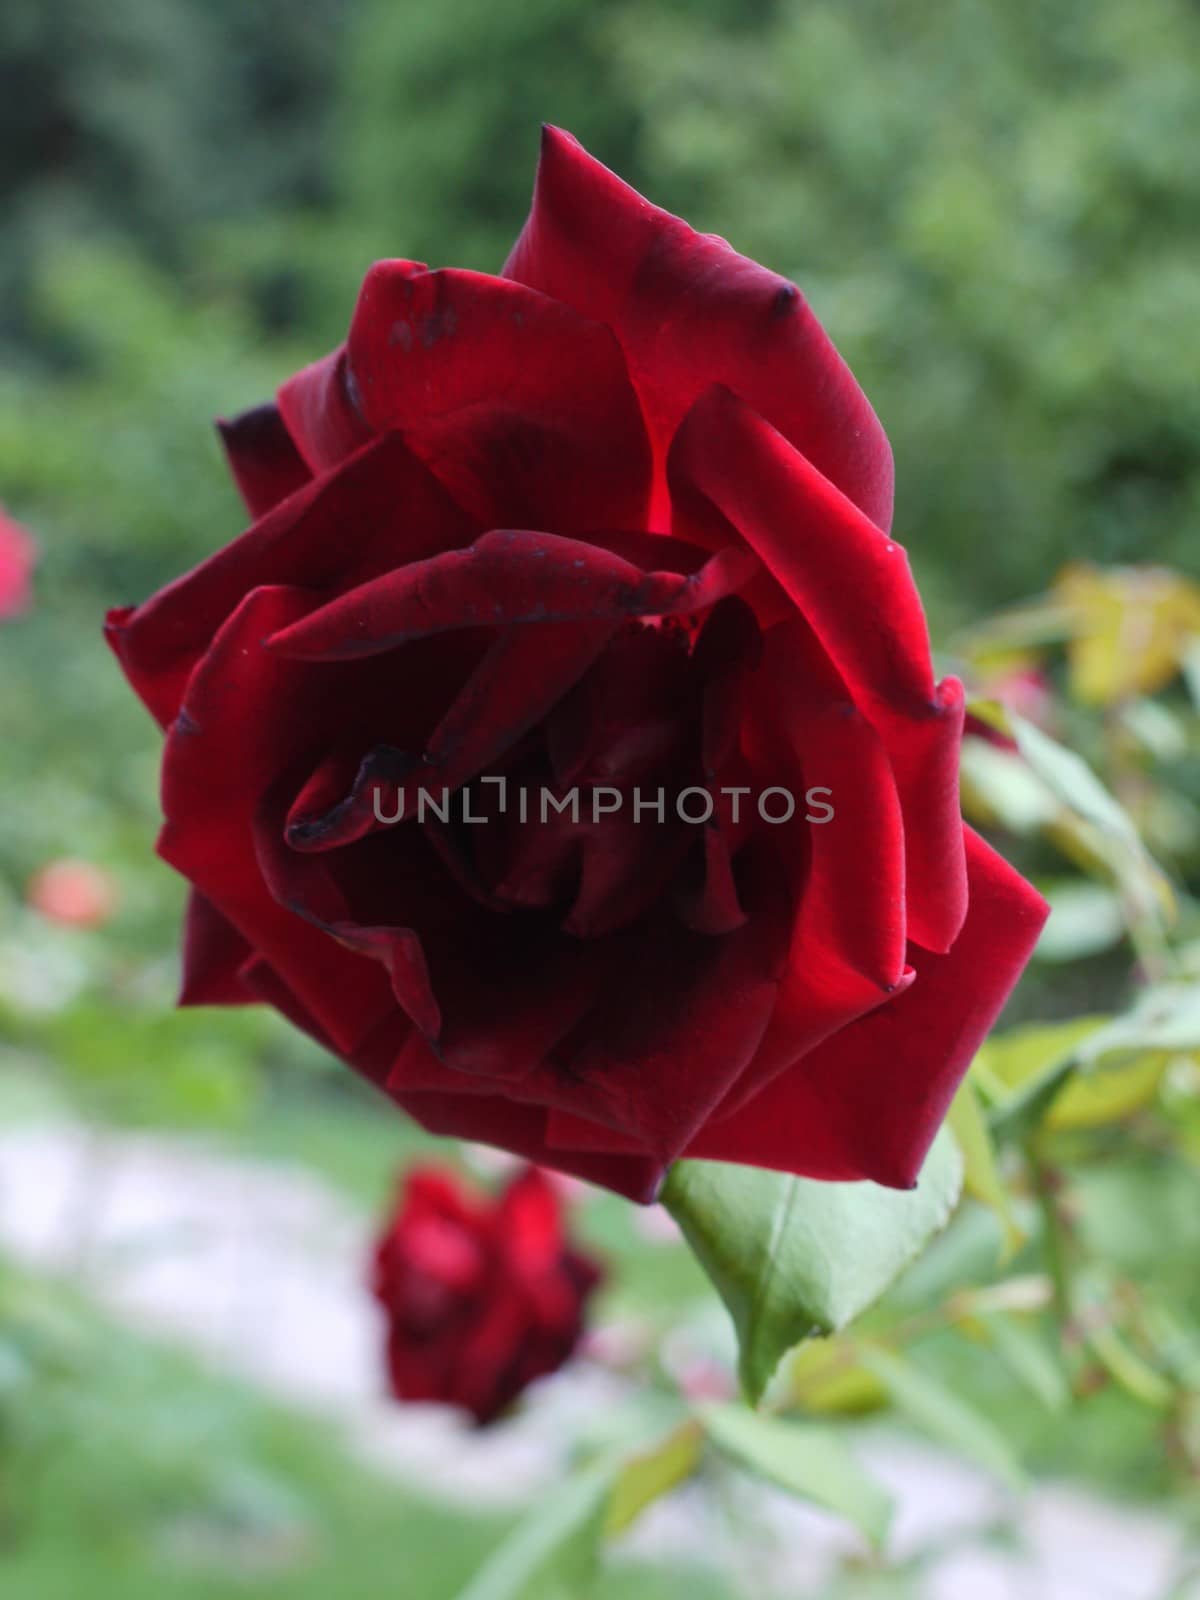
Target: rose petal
{"points": [[492, 1120], [321, 413], [265, 984], [689, 312], [213, 955], [521, 406], [507, 578], [265, 463], [852, 585], [339, 530], [519, 679], [248, 718], [868, 1102], [682, 1022]]}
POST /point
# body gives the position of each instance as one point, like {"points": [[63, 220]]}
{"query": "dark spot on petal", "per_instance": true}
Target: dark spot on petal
{"points": [[786, 298], [305, 829], [353, 392], [389, 763], [438, 325], [401, 334]]}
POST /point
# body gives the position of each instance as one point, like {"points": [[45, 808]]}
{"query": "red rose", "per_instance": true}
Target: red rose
{"points": [[482, 1296], [17, 557], [75, 893], [613, 522]]}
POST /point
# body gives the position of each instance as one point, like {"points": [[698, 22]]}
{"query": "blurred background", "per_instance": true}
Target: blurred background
{"points": [[994, 210]]}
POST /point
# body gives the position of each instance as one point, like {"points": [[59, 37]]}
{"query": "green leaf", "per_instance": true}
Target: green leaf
{"points": [[1109, 828], [824, 1375], [998, 787], [805, 1459], [552, 1553], [1191, 670], [1030, 1067], [1088, 1071], [792, 1257], [981, 1175], [1029, 1358], [1166, 1017], [1085, 918], [647, 1476], [1127, 1368], [1070, 779], [1098, 1095], [943, 1415]]}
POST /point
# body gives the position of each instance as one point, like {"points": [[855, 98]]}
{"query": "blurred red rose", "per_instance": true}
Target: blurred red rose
{"points": [[73, 892], [612, 522], [481, 1295], [18, 555]]}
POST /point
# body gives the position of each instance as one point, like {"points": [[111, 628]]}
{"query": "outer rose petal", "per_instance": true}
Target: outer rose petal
{"points": [[264, 461], [229, 745], [321, 412], [266, 985], [847, 952], [522, 407], [213, 954], [852, 585], [381, 509], [867, 1102], [490, 1119], [689, 312]]}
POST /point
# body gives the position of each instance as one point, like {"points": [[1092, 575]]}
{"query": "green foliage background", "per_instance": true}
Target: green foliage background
{"points": [[995, 209]]}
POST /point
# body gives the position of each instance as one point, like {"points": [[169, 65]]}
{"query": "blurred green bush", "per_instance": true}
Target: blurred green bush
{"points": [[995, 211]]}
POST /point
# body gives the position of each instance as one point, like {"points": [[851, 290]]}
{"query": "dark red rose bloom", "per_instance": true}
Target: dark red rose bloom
{"points": [[482, 1296], [17, 558], [615, 520]]}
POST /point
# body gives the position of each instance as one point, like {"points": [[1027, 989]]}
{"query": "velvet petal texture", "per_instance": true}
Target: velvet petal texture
{"points": [[561, 745], [853, 586], [264, 461], [690, 312], [867, 1102], [224, 750], [338, 530], [508, 577]]}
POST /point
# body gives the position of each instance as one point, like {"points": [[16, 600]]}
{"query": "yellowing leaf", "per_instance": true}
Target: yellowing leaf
{"points": [[1026, 1070], [652, 1473], [1130, 629], [1097, 1095], [981, 1175], [825, 1375]]}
